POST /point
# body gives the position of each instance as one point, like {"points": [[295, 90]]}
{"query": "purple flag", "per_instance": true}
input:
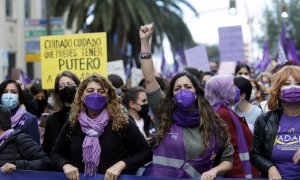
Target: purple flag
{"points": [[282, 37], [163, 62], [281, 58], [266, 58], [176, 67], [25, 79], [292, 52], [128, 68], [181, 56]]}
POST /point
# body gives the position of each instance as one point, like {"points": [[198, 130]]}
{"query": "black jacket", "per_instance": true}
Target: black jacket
{"points": [[53, 126], [148, 125], [265, 131], [127, 144], [20, 149]]}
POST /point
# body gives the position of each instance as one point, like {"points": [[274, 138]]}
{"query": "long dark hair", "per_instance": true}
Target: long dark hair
{"points": [[131, 94], [56, 96], [4, 84], [211, 123]]}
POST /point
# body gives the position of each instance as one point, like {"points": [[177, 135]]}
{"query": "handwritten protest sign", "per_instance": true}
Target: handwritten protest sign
{"points": [[82, 54], [227, 67], [136, 76], [116, 67], [231, 44], [197, 57]]}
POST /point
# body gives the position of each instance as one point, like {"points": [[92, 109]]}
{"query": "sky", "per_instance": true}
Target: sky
{"points": [[214, 14]]}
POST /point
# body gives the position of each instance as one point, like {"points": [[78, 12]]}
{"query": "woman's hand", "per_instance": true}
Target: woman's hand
{"points": [[71, 172], [273, 173], [113, 172], [146, 32], [209, 175], [8, 168]]}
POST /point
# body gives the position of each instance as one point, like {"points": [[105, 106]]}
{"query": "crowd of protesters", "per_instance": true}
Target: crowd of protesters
{"points": [[196, 124]]}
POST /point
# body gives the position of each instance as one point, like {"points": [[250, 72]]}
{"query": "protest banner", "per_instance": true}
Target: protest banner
{"points": [[82, 54], [231, 44], [116, 67], [37, 175], [196, 57], [227, 67], [136, 76]]}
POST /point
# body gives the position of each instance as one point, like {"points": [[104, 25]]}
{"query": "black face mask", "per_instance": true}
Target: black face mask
{"points": [[67, 94], [42, 103], [144, 111]]}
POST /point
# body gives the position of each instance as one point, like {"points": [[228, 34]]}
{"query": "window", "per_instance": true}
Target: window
{"points": [[27, 9], [44, 8], [9, 8]]}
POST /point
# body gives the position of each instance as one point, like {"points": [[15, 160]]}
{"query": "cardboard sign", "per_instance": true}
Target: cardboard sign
{"points": [[136, 76], [82, 54], [227, 67], [197, 57], [231, 44], [116, 67]]}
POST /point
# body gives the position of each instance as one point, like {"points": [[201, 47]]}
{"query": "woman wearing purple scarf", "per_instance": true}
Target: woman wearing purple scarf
{"points": [[192, 139], [12, 98], [221, 93], [18, 150], [99, 138], [276, 141]]}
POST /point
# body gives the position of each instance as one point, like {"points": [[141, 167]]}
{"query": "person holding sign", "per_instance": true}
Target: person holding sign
{"points": [[12, 98], [99, 137], [276, 133], [65, 88], [192, 139]]}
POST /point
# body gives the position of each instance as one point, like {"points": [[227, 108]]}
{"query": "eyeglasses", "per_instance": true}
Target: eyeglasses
{"points": [[68, 84]]}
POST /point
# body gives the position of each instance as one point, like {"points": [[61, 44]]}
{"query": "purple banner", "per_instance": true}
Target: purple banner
{"points": [[231, 44], [37, 175]]}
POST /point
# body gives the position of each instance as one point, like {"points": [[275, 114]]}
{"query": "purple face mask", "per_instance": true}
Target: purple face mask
{"points": [[185, 99], [95, 101], [290, 94], [237, 95]]}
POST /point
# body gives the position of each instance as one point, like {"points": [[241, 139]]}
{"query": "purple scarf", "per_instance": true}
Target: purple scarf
{"points": [[186, 118], [6, 135], [16, 119], [242, 145], [93, 129]]}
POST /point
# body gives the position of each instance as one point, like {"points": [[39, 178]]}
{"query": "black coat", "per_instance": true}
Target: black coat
{"points": [[265, 131], [53, 126], [20, 149], [148, 125], [128, 145]]}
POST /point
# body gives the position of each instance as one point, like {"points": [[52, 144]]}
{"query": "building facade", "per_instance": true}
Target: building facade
{"points": [[12, 34]]}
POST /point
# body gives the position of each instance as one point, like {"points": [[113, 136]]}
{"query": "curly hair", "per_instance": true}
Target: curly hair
{"points": [[211, 124], [278, 81], [117, 113]]}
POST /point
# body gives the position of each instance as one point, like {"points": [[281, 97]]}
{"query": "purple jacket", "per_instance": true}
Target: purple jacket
{"points": [[30, 126]]}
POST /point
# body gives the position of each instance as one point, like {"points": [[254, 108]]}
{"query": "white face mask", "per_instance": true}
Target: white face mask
{"points": [[253, 94]]}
